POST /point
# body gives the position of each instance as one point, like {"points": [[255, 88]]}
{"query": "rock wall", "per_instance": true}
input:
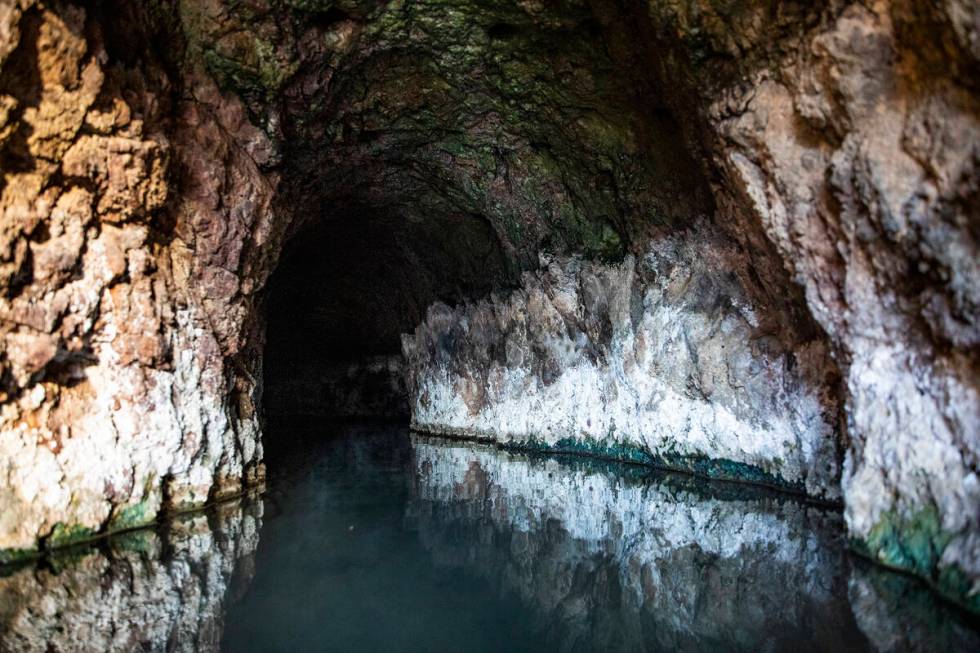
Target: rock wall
{"points": [[658, 359], [129, 201], [848, 135]]}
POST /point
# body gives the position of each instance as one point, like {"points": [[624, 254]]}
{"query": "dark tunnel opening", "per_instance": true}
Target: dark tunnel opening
{"points": [[345, 290]]}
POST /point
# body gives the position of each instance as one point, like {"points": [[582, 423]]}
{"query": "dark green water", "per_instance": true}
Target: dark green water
{"points": [[372, 539], [341, 566]]}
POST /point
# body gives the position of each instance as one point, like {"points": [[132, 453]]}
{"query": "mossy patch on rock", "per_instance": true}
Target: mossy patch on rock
{"points": [[261, 81], [915, 543], [68, 534]]}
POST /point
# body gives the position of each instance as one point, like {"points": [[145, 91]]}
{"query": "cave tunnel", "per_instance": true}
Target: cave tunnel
{"points": [[538, 325], [413, 180]]}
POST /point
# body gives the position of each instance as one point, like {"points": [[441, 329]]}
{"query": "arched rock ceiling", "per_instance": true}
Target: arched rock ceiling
{"points": [[516, 112]]}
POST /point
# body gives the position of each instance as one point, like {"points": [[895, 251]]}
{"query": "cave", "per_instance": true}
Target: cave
{"points": [[684, 283]]}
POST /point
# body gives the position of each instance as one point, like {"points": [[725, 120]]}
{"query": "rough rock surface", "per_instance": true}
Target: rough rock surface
{"points": [[658, 359], [851, 135], [116, 396], [148, 592]]}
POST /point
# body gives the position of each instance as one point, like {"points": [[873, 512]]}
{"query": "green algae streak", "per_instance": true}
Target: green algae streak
{"points": [[133, 516], [13, 556], [67, 534], [915, 543], [714, 468]]}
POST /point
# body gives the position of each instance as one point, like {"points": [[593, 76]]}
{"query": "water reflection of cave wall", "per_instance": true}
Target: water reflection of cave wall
{"points": [[142, 591], [613, 562]]}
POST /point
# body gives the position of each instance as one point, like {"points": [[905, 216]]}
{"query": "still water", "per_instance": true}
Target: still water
{"points": [[373, 539]]}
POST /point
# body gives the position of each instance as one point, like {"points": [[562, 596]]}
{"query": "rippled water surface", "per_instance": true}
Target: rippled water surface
{"points": [[373, 539]]}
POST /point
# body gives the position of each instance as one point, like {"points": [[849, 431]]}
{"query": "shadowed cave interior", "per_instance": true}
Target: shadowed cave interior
{"points": [[348, 287]]}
